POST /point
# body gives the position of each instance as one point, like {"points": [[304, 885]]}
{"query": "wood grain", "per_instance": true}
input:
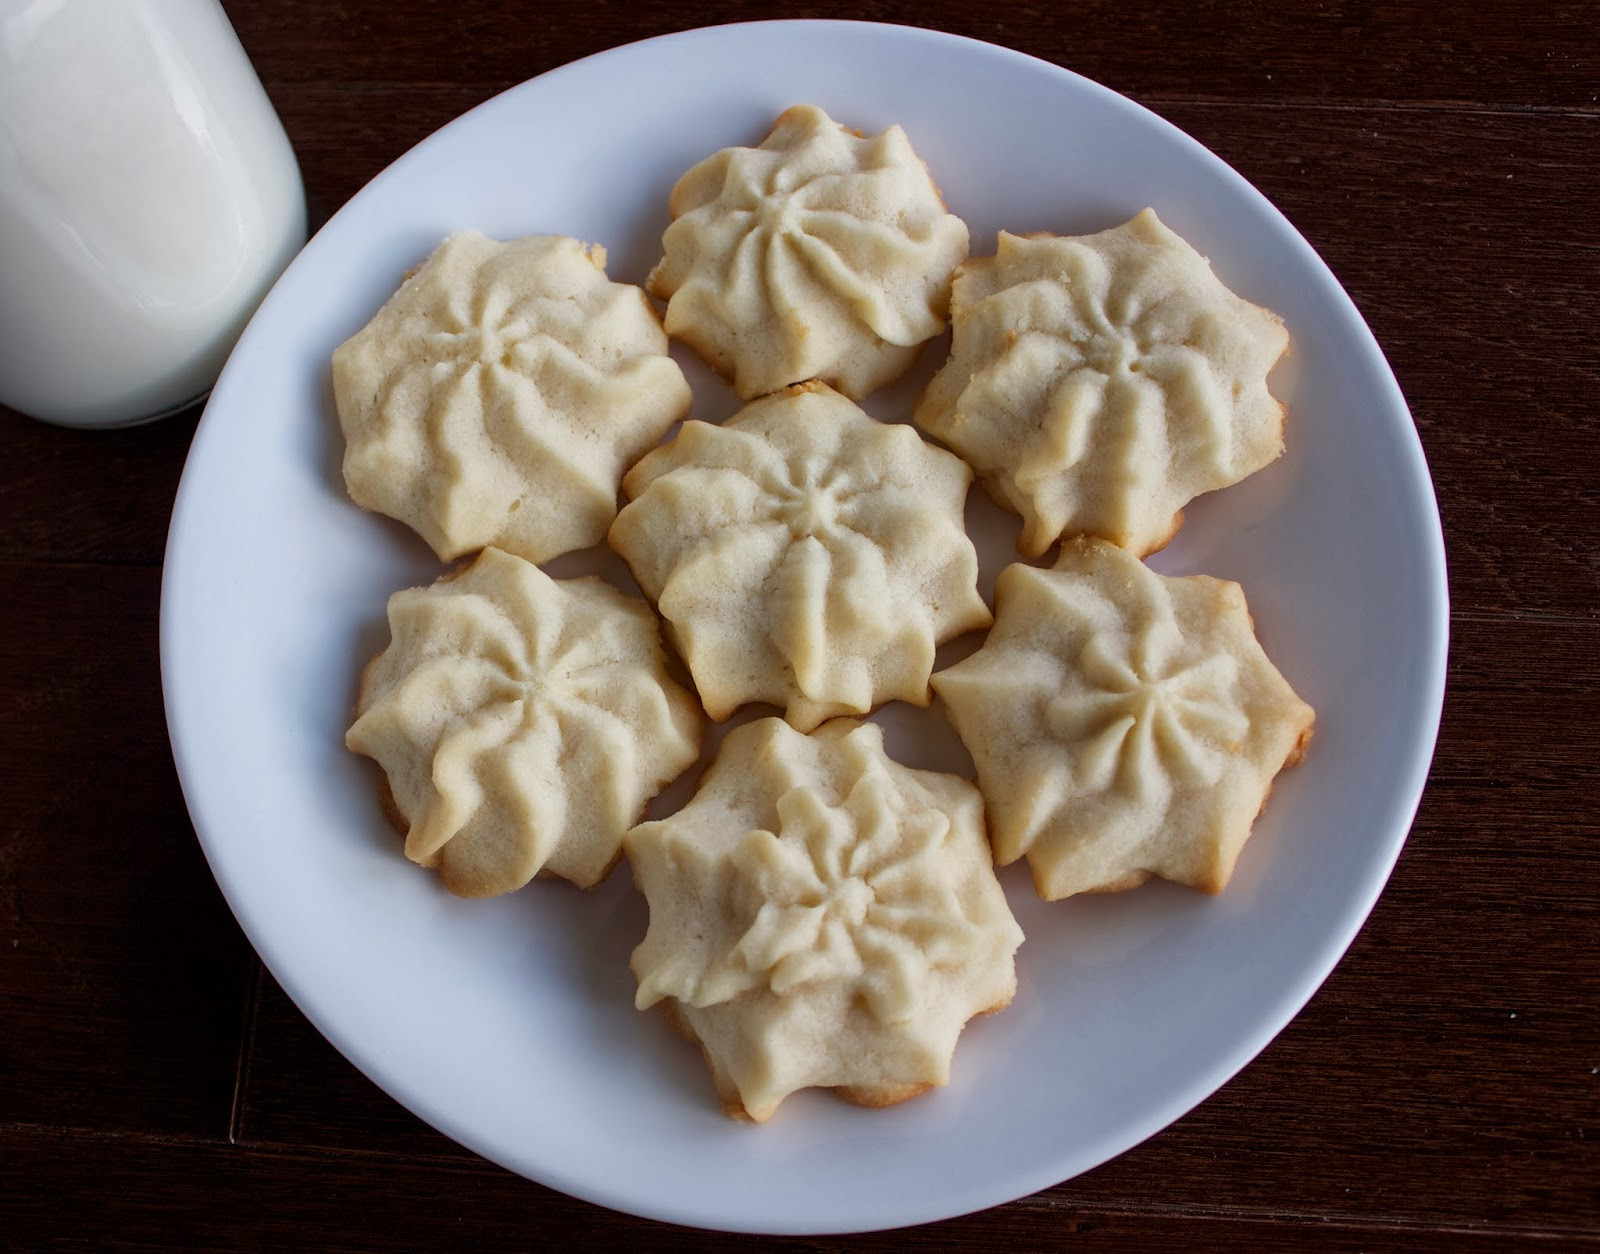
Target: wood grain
{"points": [[122, 974], [115, 1193], [296, 1089], [1440, 1092], [1461, 981], [1478, 283], [89, 496], [1482, 51]]}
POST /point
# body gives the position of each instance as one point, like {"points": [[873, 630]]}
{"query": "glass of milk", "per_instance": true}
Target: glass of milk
{"points": [[148, 199]]}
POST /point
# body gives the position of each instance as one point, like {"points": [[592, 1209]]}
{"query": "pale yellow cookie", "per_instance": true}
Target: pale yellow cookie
{"points": [[523, 723], [1099, 383], [819, 255], [501, 392], [804, 554], [821, 916], [1124, 723]]}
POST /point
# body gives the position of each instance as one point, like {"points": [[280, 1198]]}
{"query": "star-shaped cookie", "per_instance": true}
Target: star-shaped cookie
{"points": [[523, 722], [498, 396], [1099, 383], [804, 554], [821, 916], [1124, 724], [821, 254]]}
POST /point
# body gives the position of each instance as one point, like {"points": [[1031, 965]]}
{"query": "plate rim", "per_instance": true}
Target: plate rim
{"points": [[1408, 785]]}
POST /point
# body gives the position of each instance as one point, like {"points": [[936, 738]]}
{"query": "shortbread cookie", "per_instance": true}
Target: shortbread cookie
{"points": [[1124, 723], [821, 916], [500, 394], [1099, 383], [804, 554], [819, 255], [523, 723]]}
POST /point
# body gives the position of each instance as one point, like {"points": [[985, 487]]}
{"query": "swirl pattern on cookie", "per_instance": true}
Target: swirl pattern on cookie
{"points": [[821, 916], [1099, 383], [1123, 723], [820, 254], [499, 395], [804, 554], [523, 723]]}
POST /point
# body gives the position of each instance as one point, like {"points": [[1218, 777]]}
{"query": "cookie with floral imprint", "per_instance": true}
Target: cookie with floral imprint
{"points": [[1123, 723], [822, 917], [804, 554], [522, 722], [819, 254], [1098, 383], [500, 394]]}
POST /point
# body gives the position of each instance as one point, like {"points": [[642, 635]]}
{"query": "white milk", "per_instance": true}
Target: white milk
{"points": [[148, 199]]}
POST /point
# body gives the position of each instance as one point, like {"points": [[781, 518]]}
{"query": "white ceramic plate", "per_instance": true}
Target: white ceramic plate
{"points": [[508, 1024]]}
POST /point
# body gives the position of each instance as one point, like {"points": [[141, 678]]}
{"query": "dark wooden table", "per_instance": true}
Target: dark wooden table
{"points": [[158, 1089]]}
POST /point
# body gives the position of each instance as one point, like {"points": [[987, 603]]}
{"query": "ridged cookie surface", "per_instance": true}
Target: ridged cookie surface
{"points": [[1099, 383], [821, 916], [523, 722], [805, 554], [818, 255], [1123, 723], [501, 392]]}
